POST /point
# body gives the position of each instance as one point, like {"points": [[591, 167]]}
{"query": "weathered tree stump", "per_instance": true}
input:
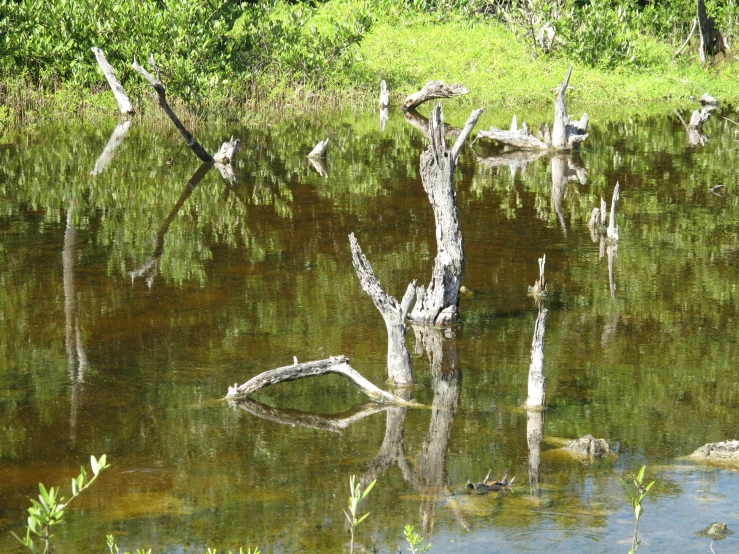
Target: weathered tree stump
{"points": [[537, 381], [439, 304], [612, 230], [399, 367], [534, 438], [433, 90], [227, 151], [564, 135], [384, 95], [115, 85], [338, 365]]}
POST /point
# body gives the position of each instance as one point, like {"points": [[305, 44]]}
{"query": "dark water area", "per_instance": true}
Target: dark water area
{"points": [[131, 301]]}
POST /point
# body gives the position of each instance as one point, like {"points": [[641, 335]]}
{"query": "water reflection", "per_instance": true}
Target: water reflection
{"points": [[565, 169]]}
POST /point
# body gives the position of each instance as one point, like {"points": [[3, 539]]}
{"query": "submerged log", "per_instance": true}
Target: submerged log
{"points": [[433, 90], [565, 134], [537, 381], [439, 304], [115, 140], [712, 43], [384, 95], [115, 85], [319, 151], [338, 365], [158, 86], [399, 367]]}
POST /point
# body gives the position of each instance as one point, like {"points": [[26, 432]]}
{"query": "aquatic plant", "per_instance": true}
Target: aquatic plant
{"points": [[415, 541], [48, 510], [637, 491], [357, 495]]}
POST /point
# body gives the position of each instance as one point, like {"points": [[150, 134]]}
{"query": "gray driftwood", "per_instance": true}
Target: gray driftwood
{"points": [[433, 90], [227, 152], [116, 139], [333, 423], [537, 381], [439, 304], [712, 43], [564, 135], [319, 151], [384, 95], [158, 86], [534, 438], [115, 85], [612, 230], [399, 367], [338, 365]]}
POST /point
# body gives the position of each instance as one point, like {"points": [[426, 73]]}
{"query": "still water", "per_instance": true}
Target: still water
{"points": [[132, 298]]}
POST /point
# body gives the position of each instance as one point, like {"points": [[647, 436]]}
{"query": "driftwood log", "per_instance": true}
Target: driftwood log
{"points": [[338, 365], [439, 304], [537, 381], [399, 367], [115, 140], [115, 85], [431, 91], [227, 152], [712, 43], [158, 86], [564, 135]]}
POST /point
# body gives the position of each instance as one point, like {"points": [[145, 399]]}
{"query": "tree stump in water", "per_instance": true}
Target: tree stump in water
{"points": [[439, 304], [433, 90]]}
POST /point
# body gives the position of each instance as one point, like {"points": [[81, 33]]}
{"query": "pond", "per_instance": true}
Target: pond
{"points": [[133, 298]]}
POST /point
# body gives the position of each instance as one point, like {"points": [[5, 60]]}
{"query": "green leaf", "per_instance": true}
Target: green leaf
{"points": [[361, 519], [94, 465], [368, 489]]}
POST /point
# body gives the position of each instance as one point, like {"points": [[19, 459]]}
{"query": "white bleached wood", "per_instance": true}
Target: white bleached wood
{"points": [[115, 85], [320, 150], [384, 95], [433, 90], [537, 381]]}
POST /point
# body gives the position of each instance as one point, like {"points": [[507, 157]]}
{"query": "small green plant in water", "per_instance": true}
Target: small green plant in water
{"points": [[48, 510], [415, 541], [637, 491], [357, 495]]}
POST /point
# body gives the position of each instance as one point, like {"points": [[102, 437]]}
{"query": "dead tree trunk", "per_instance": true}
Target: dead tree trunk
{"points": [[158, 86], [537, 381], [116, 139], [612, 231], [338, 365], [712, 43], [433, 90], [439, 304], [115, 85], [399, 367], [565, 134], [384, 95]]}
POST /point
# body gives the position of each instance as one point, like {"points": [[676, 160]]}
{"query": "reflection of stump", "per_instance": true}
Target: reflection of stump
{"points": [[445, 379], [534, 436]]}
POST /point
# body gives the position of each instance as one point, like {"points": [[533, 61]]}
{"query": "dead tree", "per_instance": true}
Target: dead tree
{"points": [[115, 85], [158, 86], [537, 381], [712, 43], [399, 367], [433, 90], [338, 365], [694, 129], [439, 304], [319, 151], [564, 135]]}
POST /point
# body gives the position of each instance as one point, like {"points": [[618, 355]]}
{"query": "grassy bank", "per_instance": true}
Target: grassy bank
{"points": [[288, 58]]}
